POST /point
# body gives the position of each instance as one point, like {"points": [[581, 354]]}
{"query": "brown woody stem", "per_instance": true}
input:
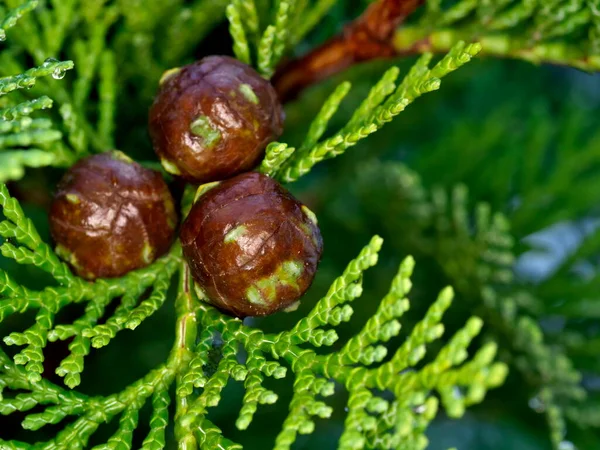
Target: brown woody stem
{"points": [[368, 37]]}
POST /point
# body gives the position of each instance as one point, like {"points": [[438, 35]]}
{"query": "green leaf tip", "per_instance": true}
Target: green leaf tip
{"points": [[13, 16]]}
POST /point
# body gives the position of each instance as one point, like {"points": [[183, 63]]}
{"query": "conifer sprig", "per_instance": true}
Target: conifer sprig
{"points": [[445, 232], [348, 366], [412, 387], [13, 15], [554, 363], [385, 101], [265, 46], [31, 250], [17, 129], [556, 32], [275, 156]]}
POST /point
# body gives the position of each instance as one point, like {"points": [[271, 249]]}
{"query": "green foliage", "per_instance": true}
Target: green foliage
{"points": [[449, 372], [18, 129], [556, 31], [560, 175], [31, 250], [395, 368], [10, 19], [475, 251], [314, 373], [264, 32], [267, 43], [384, 102], [546, 162]]}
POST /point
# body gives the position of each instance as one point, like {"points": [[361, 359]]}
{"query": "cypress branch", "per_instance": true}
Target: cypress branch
{"points": [[538, 32], [420, 80], [396, 384]]}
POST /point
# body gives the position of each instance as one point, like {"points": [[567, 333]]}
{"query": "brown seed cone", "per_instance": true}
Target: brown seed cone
{"points": [[213, 119], [252, 247], [110, 216]]}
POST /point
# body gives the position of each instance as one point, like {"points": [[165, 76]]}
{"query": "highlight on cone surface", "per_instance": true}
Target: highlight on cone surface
{"points": [[110, 215], [253, 249], [213, 119]]}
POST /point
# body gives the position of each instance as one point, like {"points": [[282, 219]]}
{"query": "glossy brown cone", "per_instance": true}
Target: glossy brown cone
{"points": [[213, 119], [110, 216], [252, 248]]}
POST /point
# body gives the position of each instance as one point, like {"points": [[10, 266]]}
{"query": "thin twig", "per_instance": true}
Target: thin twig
{"points": [[368, 37]]}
